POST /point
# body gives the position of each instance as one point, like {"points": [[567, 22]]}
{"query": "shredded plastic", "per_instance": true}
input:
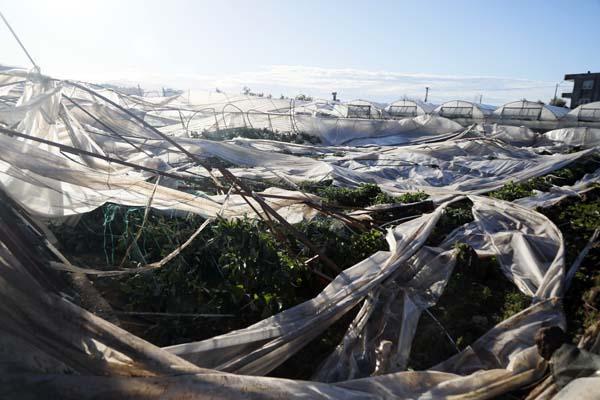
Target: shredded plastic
{"points": [[49, 344]]}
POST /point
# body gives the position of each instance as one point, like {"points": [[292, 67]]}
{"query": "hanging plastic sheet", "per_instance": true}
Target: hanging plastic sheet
{"points": [[50, 345]]}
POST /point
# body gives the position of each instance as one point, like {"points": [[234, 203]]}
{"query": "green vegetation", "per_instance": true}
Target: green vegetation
{"points": [[455, 215], [577, 218], [365, 195], [234, 267], [478, 296], [565, 176], [343, 246], [413, 197], [360, 197], [254, 133], [512, 191], [241, 268]]}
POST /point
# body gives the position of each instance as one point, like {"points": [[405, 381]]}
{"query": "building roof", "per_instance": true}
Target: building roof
{"points": [[570, 77]]}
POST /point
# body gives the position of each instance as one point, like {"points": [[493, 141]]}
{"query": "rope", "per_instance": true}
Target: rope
{"points": [[110, 211]]}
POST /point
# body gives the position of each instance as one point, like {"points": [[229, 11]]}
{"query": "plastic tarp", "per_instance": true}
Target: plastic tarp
{"points": [[48, 344], [104, 360]]}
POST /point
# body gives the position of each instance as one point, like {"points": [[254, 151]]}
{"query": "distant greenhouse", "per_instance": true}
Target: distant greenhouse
{"points": [[589, 112], [460, 109], [409, 108], [533, 115], [524, 110], [363, 109]]}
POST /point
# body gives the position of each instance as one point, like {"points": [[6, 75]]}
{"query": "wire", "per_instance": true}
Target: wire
{"points": [[19, 41]]}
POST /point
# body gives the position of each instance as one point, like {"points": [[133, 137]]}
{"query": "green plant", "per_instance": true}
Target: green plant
{"points": [[414, 197], [365, 195], [234, 267], [455, 215], [512, 191], [362, 196], [561, 177], [343, 246], [254, 133]]}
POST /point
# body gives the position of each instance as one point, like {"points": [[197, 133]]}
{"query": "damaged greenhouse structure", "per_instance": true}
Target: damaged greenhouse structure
{"points": [[249, 247]]}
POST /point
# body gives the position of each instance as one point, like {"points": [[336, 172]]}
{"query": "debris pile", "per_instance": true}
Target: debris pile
{"points": [[238, 248]]}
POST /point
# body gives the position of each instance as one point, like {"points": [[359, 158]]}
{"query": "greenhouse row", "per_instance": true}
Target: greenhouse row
{"points": [[522, 112]]}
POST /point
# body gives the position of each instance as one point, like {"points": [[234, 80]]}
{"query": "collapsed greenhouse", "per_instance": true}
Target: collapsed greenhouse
{"points": [[233, 248], [363, 109]]}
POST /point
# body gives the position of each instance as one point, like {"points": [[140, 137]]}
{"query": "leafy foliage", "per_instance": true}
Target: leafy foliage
{"points": [[414, 197], [512, 191], [343, 246], [254, 133], [240, 268], [455, 215], [234, 267], [362, 196], [565, 176]]}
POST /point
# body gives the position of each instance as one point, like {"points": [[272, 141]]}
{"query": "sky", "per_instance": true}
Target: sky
{"points": [[377, 50]]}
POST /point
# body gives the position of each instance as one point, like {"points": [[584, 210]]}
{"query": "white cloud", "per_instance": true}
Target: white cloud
{"points": [[382, 86]]}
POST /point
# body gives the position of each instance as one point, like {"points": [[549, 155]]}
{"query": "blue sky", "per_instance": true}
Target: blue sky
{"points": [[381, 50]]}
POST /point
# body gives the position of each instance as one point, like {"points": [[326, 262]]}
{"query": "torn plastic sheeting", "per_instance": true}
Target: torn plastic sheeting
{"points": [[513, 135], [580, 389], [50, 185], [467, 166], [95, 343], [263, 346], [557, 194], [582, 137], [529, 249], [492, 218], [441, 169], [340, 131], [390, 313], [528, 246], [331, 131], [44, 172]]}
